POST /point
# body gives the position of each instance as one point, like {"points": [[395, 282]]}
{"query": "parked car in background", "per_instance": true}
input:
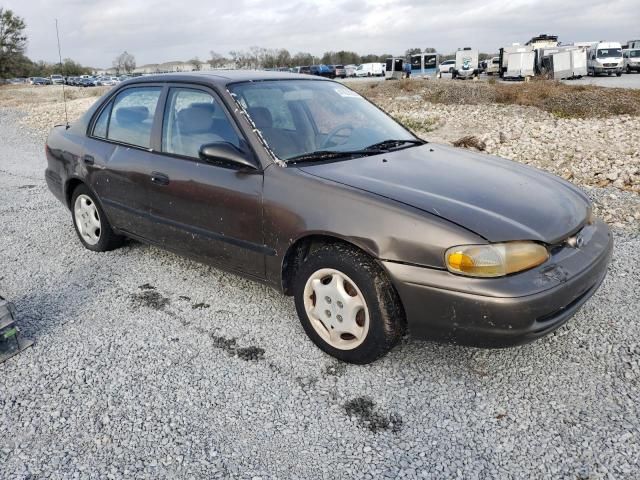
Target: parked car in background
{"points": [[340, 71], [301, 183], [56, 79], [321, 71], [107, 81], [39, 81], [87, 82], [350, 70], [305, 70], [446, 66], [632, 60]]}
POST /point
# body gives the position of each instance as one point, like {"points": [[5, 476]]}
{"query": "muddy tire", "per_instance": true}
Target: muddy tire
{"points": [[90, 222], [347, 305]]}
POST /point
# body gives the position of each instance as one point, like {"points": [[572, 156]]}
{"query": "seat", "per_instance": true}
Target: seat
{"points": [[194, 129], [132, 125], [283, 143]]}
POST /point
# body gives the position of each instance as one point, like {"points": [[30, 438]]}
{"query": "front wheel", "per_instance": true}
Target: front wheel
{"points": [[91, 223], [347, 305]]}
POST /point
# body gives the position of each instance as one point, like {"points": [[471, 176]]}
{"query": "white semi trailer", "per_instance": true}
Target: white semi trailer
{"points": [[517, 62], [564, 62]]}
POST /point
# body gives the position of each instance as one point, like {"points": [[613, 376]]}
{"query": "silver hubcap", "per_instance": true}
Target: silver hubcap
{"points": [[87, 219], [336, 309]]}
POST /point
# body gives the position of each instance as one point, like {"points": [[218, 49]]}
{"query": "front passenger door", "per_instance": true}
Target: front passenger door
{"points": [[207, 210]]}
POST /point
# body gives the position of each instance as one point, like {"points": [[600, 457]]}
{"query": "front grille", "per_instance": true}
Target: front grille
{"points": [[610, 64]]}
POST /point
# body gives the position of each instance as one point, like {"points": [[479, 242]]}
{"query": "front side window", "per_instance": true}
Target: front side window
{"points": [[193, 118], [132, 116]]}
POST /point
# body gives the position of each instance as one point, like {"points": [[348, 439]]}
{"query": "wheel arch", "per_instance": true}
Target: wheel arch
{"points": [[302, 247], [70, 186]]}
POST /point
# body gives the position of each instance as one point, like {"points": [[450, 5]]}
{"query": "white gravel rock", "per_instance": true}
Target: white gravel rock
{"points": [[128, 380]]}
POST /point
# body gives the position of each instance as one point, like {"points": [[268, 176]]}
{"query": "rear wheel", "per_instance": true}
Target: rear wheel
{"points": [[347, 305], [91, 223]]}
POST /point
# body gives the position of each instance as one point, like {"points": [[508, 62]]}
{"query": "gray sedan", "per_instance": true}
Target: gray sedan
{"points": [[301, 183]]}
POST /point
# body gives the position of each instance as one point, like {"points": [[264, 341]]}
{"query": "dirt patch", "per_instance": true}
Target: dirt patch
{"points": [[334, 370], [200, 306], [363, 408], [470, 141], [149, 299], [230, 346], [147, 286]]}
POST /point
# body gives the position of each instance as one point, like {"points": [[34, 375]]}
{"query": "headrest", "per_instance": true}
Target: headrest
{"points": [[131, 115], [197, 118], [261, 116]]}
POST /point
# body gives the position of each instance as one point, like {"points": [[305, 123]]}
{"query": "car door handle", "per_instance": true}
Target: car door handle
{"points": [[88, 159], [159, 178]]}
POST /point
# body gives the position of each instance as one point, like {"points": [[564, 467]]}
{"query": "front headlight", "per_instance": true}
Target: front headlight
{"points": [[495, 260]]}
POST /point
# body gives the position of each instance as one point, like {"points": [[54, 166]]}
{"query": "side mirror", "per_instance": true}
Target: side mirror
{"points": [[225, 152]]}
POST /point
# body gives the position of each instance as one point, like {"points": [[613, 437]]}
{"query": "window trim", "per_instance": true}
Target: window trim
{"points": [[110, 100]]}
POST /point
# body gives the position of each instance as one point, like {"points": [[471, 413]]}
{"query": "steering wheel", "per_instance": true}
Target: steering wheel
{"points": [[334, 133]]}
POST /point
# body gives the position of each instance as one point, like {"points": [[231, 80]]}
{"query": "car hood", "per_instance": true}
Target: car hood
{"points": [[495, 198]]}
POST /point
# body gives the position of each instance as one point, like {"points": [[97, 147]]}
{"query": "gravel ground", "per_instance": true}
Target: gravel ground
{"points": [[148, 365]]}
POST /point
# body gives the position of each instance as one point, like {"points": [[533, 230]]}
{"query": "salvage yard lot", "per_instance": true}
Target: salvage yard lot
{"points": [[149, 365]]}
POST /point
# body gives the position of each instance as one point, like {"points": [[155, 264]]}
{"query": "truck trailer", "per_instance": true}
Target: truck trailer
{"points": [[466, 64]]}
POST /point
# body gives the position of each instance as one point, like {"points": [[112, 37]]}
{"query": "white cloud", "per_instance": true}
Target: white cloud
{"points": [[95, 31]]}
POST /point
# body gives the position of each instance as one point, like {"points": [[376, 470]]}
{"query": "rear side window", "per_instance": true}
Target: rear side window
{"points": [[132, 114], [102, 124]]}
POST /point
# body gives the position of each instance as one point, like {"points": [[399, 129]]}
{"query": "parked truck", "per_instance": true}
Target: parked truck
{"points": [[466, 64], [605, 58], [370, 70]]}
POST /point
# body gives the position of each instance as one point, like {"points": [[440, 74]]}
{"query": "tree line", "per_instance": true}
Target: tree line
{"points": [[14, 62]]}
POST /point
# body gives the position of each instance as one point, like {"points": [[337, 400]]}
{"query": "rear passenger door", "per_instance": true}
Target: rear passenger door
{"points": [[207, 210], [118, 155]]}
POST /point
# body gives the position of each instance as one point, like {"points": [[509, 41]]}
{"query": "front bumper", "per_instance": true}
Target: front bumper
{"points": [[504, 311]]}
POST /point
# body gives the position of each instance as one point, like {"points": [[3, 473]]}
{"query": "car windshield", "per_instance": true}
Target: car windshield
{"points": [[300, 118], [634, 53], [609, 52]]}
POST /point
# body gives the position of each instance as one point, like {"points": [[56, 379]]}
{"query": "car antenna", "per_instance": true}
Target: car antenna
{"points": [[64, 96]]}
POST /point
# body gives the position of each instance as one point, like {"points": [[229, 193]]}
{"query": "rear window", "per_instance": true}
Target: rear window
{"points": [[132, 115]]}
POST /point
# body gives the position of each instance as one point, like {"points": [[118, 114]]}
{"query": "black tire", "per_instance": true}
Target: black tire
{"points": [[386, 315], [618, 74], [108, 240]]}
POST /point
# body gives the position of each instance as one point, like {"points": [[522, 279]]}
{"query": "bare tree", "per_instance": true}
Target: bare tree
{"points": [[124, 62], [197, 64], [217, 59]]}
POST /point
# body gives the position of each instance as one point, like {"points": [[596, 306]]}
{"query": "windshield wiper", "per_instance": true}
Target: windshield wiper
{"points": [[320, 155], [393, 144]]}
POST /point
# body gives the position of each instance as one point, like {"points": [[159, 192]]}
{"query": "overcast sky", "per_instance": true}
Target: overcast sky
{"points": [[94, 32]]}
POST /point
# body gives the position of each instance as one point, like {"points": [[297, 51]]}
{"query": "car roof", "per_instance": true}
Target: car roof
{"points": [[223, 77]]}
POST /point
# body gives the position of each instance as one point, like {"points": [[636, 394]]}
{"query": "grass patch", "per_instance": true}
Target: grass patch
{"points": [[559, 99]]}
